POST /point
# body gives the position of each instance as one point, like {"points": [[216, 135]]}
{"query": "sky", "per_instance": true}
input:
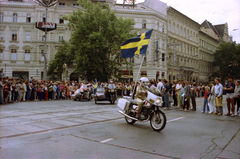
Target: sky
{"points": [[215, 11]]}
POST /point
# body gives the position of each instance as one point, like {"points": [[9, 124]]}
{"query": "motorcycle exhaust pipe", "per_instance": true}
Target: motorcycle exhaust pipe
{"points": [[127, 115]]}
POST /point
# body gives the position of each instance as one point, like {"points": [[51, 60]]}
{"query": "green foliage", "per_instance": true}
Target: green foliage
{"points": [[63, 55], [95, 41], [227, 58]]}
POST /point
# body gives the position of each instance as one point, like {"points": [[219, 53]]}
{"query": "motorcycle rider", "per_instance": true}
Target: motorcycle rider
{"points": [[141, 94], [111, 85]]}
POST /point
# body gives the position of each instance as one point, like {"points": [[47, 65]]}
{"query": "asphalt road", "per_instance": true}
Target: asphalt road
{"points": [[69, 129]]}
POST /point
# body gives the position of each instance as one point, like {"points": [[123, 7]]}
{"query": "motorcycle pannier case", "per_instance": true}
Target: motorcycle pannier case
{"points": [[122, 103]]}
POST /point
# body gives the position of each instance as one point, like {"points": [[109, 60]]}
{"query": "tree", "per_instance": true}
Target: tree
{"points": [[63, 55], [96, 39], [227, 59]]}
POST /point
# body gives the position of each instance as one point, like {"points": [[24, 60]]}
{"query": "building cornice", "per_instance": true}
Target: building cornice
{"points": [[17, 6], [135, 12]]}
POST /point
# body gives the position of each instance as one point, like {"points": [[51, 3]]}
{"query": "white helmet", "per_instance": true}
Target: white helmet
{"points": [[144, 81]]}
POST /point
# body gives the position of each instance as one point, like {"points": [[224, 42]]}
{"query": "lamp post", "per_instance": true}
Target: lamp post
{"points": [[46, 4]]}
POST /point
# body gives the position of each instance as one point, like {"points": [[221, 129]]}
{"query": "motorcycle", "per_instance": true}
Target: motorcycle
{"points": [[150, 110], [80, 94]]}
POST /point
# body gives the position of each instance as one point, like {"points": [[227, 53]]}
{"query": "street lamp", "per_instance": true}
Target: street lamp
{"points": [[46, 4]]}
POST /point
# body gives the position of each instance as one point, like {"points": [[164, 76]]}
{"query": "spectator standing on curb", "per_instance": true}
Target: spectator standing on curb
{"points": [[218, 94], [24, 90], [205, 102], [193, 95], [237, 95], [159, 85], [174, 93], [211, 99], [178, 91], [1, 91], [166, 93], [230, 97], [186, 96]]}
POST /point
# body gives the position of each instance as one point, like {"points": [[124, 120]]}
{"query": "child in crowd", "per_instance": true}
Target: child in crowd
{"points": [[205, 102]]}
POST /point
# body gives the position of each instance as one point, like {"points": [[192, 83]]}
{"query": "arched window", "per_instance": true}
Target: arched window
{"points": [[15, 17], [1, 17], [44, 18], [144, 24], [28, 20]]}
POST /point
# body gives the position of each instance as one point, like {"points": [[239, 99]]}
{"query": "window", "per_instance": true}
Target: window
{"points": [[184, 33], [156, 51], [15, 17], [184, 48], [27, 55], [28, 36], [42, 55], [177, 30], [75, 5], [61, 21], [61, 4], [1, 54], [13, 54], [43, 38], [28, 20], [1, 34], [144, 24], [163, 28], [163, 43], [181, 31], [14, 35], [60, 37], [132, 60], [163, 57], [169, 26], [1, 17], [157, 26], [44, 18], [173, 28], [187, 34]]}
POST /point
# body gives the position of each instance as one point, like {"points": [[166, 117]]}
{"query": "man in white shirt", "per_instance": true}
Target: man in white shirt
{"points": [[178, 93], [160, 85]]}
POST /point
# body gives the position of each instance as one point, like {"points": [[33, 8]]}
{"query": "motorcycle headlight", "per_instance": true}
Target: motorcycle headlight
{"points": [[158, 101], [109, 90]]}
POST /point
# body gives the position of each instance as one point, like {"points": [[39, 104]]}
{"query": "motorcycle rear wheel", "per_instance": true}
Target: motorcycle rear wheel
{"points": [[158, 121], [129, 121]]}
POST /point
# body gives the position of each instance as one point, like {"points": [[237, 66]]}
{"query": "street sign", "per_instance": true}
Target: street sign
{"points": [[43, 25]]}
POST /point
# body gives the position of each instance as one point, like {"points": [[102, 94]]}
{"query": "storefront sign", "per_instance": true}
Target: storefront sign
{"points": [[43, 25], [20, 69]]}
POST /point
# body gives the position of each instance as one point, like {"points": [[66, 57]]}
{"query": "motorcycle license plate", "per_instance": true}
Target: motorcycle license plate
{"points": [[112, 90]]}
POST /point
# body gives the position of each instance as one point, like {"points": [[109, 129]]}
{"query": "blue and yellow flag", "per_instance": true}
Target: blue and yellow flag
{"points": [[137, 45], [95, 86]]}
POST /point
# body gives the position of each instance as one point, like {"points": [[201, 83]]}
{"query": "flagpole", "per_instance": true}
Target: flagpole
{"points": [[138, 75]]}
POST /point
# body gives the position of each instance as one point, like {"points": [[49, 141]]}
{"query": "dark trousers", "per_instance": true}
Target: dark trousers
{"points": [[237, 100], [174, 98], [186, 103], [192, 95], [50, 94]]}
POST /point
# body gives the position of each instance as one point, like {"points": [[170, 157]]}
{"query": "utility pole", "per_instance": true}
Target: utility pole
{"points": [[175, 56]]}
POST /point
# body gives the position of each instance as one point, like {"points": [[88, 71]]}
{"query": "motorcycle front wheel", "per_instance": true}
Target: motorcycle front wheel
{"points": [[129, 121], [158, 120]]}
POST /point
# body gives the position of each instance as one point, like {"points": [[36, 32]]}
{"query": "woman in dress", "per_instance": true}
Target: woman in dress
{"points": [[211, 99]]}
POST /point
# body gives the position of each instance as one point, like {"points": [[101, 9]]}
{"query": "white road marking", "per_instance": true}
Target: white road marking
{"points": [[175, 119], [107, 140]]}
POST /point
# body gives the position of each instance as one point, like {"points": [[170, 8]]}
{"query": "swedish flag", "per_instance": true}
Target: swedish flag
{"points": [[137, 45]]}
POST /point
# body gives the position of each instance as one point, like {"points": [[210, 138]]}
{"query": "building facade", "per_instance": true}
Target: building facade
{"points": [[182, 32], [22, 45]]}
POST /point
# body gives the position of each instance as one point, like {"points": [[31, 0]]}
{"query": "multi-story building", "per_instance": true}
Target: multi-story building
{"points": [[22, 45], [183, 33]]}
